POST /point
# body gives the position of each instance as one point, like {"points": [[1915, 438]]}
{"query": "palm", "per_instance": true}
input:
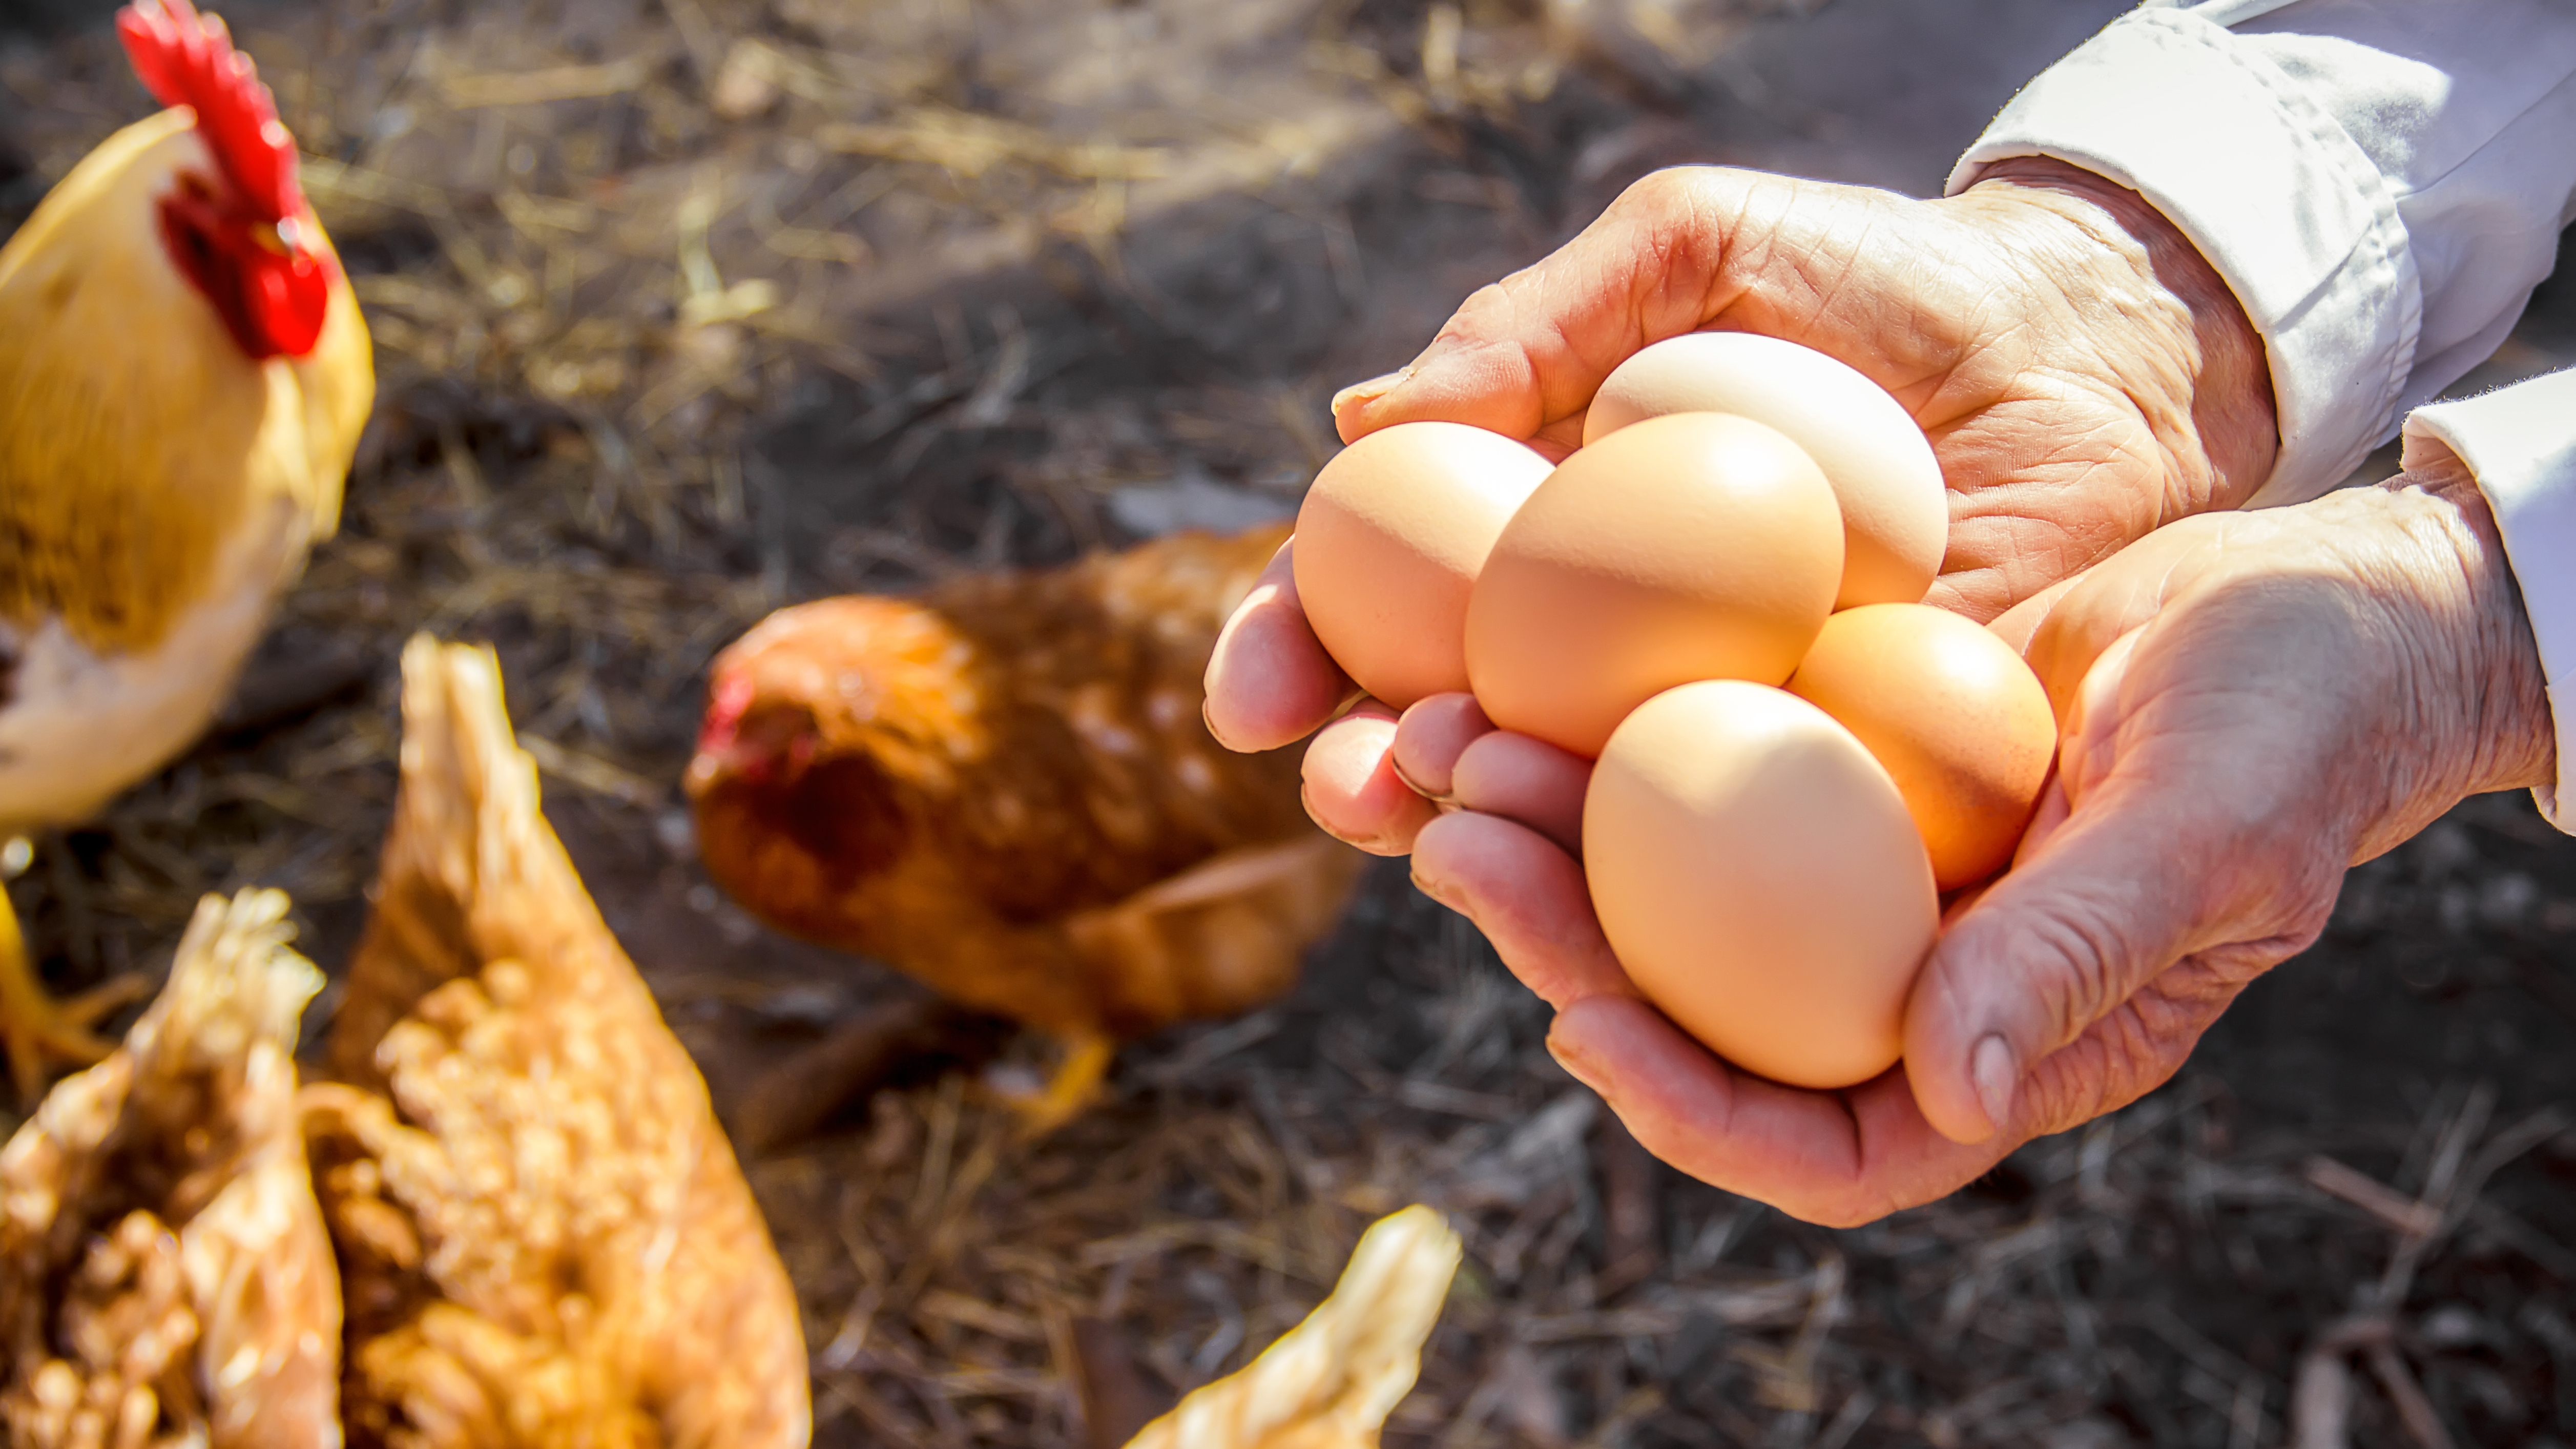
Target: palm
{"points": [[2230, 745], [2240, 725]]}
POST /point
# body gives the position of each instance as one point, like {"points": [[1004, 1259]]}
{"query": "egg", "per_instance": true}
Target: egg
{"points": [[1958, 719], [1688, 547], [1758, 877], [1389, 542], [1896, 513]]}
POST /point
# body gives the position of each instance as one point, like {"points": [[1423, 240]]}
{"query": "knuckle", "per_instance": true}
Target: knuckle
{"points": [[1673, 189]]}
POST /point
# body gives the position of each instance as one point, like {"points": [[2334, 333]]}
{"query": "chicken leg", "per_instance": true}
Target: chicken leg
{"points": [[36, 1028], [1068, 1090]]}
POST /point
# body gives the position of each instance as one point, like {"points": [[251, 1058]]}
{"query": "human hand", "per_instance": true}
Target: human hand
{"points": [[2251, 702], [2083, 375]]}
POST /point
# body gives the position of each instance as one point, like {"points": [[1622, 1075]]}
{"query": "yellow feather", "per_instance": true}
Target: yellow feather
{"points": [[136, 439], [1330, 1382]]}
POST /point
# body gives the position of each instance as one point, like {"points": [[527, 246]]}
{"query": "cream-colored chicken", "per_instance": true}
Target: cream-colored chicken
{"points": [[183, 378], [544, 1239], [164, 1275], [1330, 1382]]}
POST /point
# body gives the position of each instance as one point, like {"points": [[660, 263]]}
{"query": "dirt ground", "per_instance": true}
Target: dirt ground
{"points": [[689, 308]]}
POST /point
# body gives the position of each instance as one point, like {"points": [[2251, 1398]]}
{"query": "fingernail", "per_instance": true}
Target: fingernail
{"points": [[1446, 802], [1991, 1067], [1439, 890], [1371, 390], [1576, 1065], [1207, 716]]}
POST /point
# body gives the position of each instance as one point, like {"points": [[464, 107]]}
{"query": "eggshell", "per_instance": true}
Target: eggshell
{"points": [[1389, 542], [1758, 877], [1958, 719], [1896, 514], [1687, 547]]}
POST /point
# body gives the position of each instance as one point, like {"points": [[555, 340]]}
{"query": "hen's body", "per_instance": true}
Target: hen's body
{"points": [[544, 1238], [164, 1275], [1006, 789]]}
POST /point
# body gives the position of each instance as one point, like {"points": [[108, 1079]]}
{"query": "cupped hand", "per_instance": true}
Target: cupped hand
{"points": [[2251, 702], [2083, 375]]}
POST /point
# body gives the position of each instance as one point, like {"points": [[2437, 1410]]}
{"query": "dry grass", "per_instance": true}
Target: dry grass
{"points": [[687, 308]]}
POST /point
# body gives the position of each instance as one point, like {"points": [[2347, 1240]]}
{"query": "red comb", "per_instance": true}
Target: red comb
{"points": [[187, 59]]}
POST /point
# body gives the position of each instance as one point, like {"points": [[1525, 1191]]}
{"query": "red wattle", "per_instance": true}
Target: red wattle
{"points": [[288, 299]]}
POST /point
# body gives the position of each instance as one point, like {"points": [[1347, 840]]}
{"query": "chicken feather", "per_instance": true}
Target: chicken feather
{"points": [[545, 1238], [1330, 1382], [1006, 788], [184, 375], [164, 1274]]}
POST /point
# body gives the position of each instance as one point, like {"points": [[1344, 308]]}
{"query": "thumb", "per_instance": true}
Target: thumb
{"points": [[2097, 903], [1524, 356], [2098, 910]]}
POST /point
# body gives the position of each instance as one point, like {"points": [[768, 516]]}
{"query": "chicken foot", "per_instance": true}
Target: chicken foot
{"points": [[1071, 1088], [39, 1029]]}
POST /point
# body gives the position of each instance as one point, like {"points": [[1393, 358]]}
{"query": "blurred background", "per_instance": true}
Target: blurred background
{"points": [[690, 308]]}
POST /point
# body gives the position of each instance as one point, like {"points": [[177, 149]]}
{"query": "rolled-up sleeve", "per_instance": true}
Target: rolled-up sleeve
{"points": [[2520, 442], [2381, 182]]}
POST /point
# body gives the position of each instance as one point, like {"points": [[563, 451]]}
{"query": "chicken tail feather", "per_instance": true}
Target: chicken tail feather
{"points": [[1330, 1382], [168, 1185]]}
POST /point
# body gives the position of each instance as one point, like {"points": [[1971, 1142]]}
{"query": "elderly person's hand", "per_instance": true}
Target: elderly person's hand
{"points": [[2083, 374], [2251, 702]]}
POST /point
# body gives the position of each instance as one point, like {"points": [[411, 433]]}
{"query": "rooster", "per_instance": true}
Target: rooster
{"points": [[183, 378], [1006, 789]]}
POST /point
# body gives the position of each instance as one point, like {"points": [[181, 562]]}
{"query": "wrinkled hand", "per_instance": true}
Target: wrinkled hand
{"points": [[2083, 375], [2251, 702]]}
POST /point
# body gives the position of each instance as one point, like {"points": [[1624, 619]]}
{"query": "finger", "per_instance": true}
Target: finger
{"points": [[1529, 351], [1959, 905], [2015, 625], [1351, 787], [1836, 1158], [1527, 780], [2085, 755], [1269, 682], [2046, 820], [2109, 600], [1527, 896], [1431, 736]]}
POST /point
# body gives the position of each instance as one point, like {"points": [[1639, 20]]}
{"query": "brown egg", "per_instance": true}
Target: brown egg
{"points": [[1688, 547], [1758, 877], [1389, 542], [1896, 513], [1961, 724]]}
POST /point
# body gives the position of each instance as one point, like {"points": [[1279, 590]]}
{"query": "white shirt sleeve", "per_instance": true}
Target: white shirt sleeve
{"points": [[2380, 181], [2520, 443]]}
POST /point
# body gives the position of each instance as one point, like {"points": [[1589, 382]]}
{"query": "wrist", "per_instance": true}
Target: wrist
{"points": [[2231, 408], [2467, 662], [2500, 673]]}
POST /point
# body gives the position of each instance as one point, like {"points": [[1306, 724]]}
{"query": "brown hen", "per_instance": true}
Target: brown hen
{"points": [[544, 1239], [1006, 789], [164, 1276]]}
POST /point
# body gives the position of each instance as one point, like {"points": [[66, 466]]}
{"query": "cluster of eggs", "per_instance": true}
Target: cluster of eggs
{"points": [[1717, 598]]}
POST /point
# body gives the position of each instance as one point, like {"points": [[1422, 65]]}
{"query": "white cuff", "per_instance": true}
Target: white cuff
{"points": [[2520, 443], [2287, 208]]}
